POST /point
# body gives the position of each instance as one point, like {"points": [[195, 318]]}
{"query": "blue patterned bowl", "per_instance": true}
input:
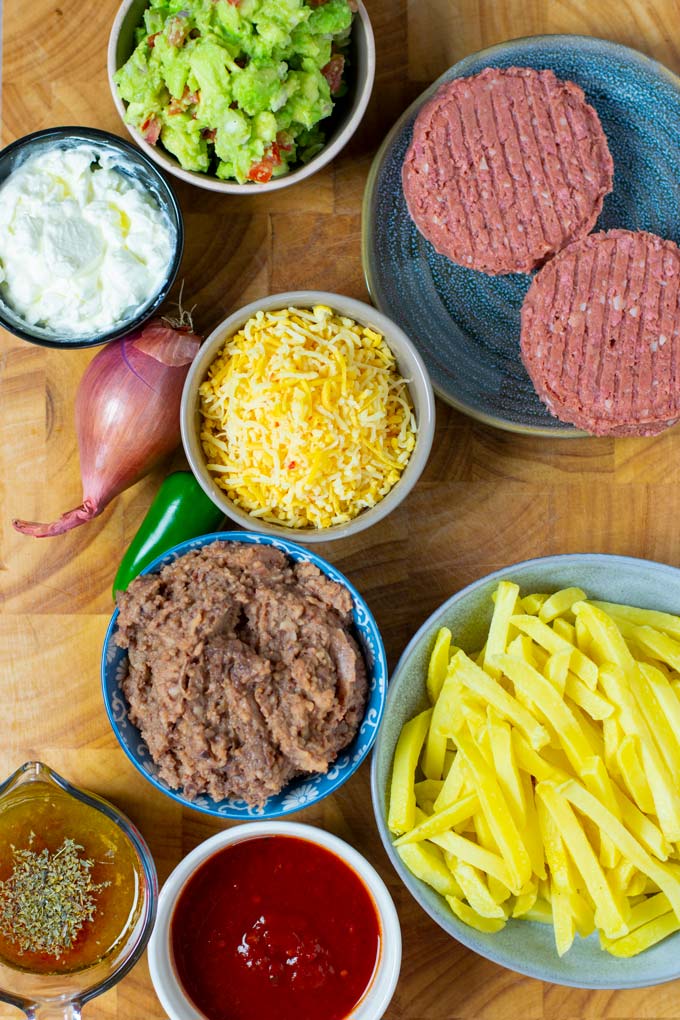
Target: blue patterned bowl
{"points": [[469, 337], [303, 791]]}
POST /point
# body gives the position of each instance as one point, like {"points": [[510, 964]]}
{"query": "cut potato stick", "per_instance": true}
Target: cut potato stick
{"points": [[441, 821], [565, 630], [642, 938], [549, 639], [434, 753], [471, 917], [659, 726], [507, 594], [641, 617], [557, 668], [609, 910], [531, 604], [560, 603], [497, 813], [493, 694], [427, 789], [661, 784], [553, 709], [427, 863], [500, 739], [439, 663], [401, 816], [590, 701], [467, 850], [476, 891], [628, 846]]}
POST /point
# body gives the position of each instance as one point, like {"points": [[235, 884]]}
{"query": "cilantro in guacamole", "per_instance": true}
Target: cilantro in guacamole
{"points": [[237, 87]]}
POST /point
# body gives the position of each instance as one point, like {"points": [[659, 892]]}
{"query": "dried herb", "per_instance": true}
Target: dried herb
{"points": [[48, 898]]}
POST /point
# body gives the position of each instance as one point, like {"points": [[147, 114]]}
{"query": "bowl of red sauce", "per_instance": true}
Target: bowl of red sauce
{"points": [[275, 919]]}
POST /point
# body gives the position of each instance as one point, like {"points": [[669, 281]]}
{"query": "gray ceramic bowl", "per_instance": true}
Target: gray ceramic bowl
{"points": [[410, 365], [524, 946], [339, 127]]}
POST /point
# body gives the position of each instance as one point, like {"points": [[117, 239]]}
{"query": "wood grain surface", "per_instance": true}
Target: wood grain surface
{"points": [[487, 498]]}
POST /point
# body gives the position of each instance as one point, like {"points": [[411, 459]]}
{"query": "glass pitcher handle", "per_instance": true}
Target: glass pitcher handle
{"points": [[54, 1011]]}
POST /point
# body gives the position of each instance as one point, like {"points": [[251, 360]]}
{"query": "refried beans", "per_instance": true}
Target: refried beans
{"points": [[243, 671]]}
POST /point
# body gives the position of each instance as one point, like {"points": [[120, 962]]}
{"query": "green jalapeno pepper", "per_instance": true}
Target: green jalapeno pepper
{"points": [[181, 510]]}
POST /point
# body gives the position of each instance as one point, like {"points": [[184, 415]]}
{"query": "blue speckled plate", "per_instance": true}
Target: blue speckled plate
{"points": [[303, 791], [523, 946], [465, 323]]}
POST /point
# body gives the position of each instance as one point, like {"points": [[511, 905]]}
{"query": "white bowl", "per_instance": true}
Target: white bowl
{"points": [[121, 44], [409, 363], [377, 997]]}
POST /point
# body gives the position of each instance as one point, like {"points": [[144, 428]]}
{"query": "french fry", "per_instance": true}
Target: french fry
{"points": [[609, 910], [663, 789], [427, 789], [472, 918], [628, 846], [560, 603], [553, 709], [434, 753], [467, 850], [509, 779], [476, 891], [401, 816], [427, 863], [441, 821], [439, 663], [497, 813], [491, 691], [642, 938], [565, 630], [549, 639], [641, 617], [506, 599], [531, 604], [557, 669]]}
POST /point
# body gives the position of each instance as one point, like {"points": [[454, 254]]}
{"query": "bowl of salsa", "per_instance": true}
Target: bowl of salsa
{"points": [[275, 919]]}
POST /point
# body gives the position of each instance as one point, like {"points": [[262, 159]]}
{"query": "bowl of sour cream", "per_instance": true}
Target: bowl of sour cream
{"points": [[91, 237]]}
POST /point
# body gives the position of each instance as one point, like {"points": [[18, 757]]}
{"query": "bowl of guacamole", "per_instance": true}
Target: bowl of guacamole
{"points": [[241, 94]]}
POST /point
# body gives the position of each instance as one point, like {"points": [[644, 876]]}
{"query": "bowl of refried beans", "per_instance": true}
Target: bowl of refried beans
{"points": [[243, 675]]}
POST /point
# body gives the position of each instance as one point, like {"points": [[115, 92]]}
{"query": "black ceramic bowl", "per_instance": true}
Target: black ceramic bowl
{"points": [[146, 175]]}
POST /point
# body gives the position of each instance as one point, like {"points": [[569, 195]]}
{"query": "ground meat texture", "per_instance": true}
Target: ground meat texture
{"points": [[506, 168], [243, 670], [601, 334]]}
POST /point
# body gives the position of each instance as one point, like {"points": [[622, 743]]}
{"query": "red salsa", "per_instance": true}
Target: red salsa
{"points": [[275, 927]]}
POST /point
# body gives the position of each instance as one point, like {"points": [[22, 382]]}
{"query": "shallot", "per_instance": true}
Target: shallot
{"points": [[127, 415]]}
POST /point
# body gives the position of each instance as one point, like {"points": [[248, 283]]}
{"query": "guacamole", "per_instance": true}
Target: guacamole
{"points": [[237, 87]]}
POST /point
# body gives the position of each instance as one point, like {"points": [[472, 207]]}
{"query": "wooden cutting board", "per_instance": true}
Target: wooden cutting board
{"points": [[487, 498]]}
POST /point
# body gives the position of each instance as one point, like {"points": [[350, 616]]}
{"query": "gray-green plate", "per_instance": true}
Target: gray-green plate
{"points": [[466, 324], [524, 946]]}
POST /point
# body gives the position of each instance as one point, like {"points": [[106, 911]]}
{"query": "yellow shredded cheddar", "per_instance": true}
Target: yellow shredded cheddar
{"points": [[305, 420]]}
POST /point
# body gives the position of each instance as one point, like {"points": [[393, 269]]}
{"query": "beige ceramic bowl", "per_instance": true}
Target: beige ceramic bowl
{"points": [[410, 366], [341, 125]]}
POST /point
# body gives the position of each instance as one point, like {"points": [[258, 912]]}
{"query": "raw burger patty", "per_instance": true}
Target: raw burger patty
{"points": [[600, 334], [506, 168]]}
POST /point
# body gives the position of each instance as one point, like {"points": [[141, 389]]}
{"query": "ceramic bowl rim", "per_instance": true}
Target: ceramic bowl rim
{"points": [[379, 666], [99, 136], [384, 981], [364, 89], [420, 384], [524, 967]]}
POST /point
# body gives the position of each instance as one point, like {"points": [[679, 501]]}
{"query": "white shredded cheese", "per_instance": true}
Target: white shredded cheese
{"points": [[305, 419]]}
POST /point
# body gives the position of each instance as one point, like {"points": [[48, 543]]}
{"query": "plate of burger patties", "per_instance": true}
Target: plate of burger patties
{"points": [[521, 223]]}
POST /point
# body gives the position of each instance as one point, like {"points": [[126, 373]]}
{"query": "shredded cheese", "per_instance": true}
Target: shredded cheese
{"points": [[305, 420]]}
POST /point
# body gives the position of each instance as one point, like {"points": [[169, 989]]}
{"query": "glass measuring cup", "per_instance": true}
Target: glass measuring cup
{"points": [[61, 995]]}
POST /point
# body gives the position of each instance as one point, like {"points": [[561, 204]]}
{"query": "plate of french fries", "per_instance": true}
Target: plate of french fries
{"points": [[526, 778]]}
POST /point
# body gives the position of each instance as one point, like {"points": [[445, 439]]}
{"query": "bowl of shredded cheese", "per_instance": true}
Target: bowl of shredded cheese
{"points": [[307, 412]]}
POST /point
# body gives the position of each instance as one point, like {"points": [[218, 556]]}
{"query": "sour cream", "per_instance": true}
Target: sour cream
{"points": [[82, 246]]}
